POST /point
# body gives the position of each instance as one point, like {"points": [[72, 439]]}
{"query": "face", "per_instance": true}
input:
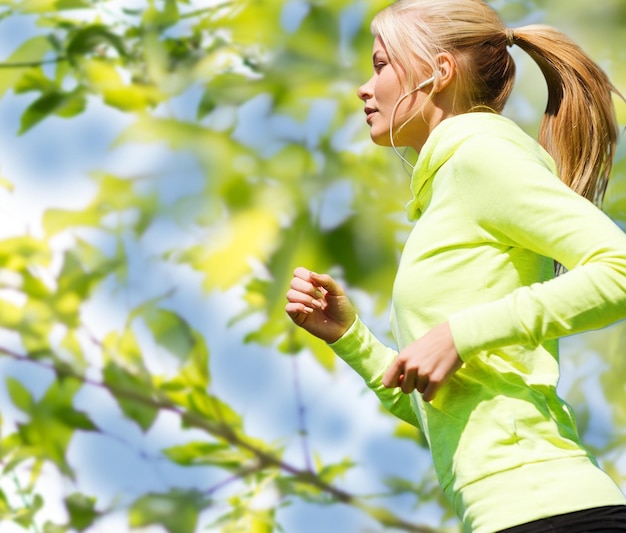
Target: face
{"points": [[381, 94]]}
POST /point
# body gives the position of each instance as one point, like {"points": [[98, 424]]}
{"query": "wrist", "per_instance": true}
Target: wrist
{"points": [[341, 331]]}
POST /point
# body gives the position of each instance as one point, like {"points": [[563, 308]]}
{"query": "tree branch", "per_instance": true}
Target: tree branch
{"points": [[30, 64], [225, 432]]}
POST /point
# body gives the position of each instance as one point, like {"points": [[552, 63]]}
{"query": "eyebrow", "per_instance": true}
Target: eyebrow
{"points": [[375, 56]]}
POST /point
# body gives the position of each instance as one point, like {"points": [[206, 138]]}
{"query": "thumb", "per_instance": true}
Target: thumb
{"points": [[326, 282]]}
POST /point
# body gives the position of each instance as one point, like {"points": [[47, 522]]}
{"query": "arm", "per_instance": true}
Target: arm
{"points": [[319, 304], [519, 202]]}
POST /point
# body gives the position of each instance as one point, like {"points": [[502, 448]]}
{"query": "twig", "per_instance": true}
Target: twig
{"points": [[24, 501], [30, 64], [225, 432], [302, 430]]}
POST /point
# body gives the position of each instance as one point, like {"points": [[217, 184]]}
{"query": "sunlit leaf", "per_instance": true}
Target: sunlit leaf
{"points": [[11, 315], [34, 79], [6, 184], [89, 38], [262, 522], [81, 510], [56, 220], [208, 453], [330, 473], [132, 394], [20, 396], [162, 19], [46, 6], [171, 331], [201, 402], [228, 256], [42, 107], [32, 50], [105, 79], [177, 511]]}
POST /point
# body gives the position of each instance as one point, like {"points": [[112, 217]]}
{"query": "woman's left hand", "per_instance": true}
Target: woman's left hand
{"points": [[425, 364]]}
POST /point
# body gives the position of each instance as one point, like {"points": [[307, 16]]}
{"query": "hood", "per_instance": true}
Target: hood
{"points": [[444, 140]]}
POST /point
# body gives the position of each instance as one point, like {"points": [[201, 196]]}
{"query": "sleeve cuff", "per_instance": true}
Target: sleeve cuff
{"points": [[351, 341]]}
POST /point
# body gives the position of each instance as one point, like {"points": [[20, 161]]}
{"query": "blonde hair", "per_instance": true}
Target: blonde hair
{"points": [[579, 127]]}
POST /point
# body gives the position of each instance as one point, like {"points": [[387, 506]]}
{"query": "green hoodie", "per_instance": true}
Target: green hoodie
{"points": [[490, 216]]}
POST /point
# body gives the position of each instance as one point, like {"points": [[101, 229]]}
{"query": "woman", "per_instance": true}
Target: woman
{"points": [[476, 308]]}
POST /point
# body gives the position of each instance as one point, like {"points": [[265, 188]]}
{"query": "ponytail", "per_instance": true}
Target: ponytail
{"points": [[579, 128]]}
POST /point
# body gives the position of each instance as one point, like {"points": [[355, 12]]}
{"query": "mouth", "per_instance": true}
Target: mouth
{"points": [[369, 111]]}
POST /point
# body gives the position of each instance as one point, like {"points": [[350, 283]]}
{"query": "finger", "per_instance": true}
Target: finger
{"points": [[422, 383], [305, 287], [302, 273], [391, 377], [297, 297], [430, 392], [409, 383], [327, 283], [297, 312]]}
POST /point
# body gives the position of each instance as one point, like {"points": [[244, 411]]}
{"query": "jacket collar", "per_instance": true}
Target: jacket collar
{"points": [[440, 146]]}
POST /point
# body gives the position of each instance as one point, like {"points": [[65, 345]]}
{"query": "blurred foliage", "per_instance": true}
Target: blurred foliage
{"points": [[310, 194]]}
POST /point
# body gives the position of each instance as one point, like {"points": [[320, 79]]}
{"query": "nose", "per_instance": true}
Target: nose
{"points": [[365, 91]]}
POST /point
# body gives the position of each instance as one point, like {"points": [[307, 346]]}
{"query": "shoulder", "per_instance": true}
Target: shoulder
{"points": [[504, 147]]}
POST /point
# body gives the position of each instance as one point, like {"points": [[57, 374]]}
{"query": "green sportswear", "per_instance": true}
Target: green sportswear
{"points": [[491, 216]]}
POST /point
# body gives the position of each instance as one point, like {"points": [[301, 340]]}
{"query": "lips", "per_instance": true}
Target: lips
{"points": [[369, 111]]}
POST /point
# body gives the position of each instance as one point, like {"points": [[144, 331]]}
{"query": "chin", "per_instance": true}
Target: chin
{"points": [[380, 139]]}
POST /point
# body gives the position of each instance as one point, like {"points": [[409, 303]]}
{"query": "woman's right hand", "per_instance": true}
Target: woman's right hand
{"points": [[317, 303]]}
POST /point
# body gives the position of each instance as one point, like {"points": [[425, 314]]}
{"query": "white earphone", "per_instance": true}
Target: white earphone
{"points": [[423, 84]]}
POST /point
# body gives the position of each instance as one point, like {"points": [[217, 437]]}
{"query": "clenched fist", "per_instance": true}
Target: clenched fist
{"points": [[317, 303]]}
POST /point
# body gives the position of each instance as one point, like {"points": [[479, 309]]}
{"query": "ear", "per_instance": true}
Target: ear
{"points": [[446, 71]]}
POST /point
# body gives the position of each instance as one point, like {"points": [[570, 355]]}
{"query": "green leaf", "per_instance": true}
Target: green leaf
{"points": [[45, 105], [196, 372], [262, 521], [115, 195], [201, 402], [5, 507], [26, 516], [177, 511], [86, 40], [73, 4], [32, 50], [75, 419], [132, 394], [11, 315], [208, 453], [20, 395], [6, 184], [57, 220], [329, 473], [206, 105], [47, 435], [152, 17], [81, 510], [50, 527], [74, 104], [34, 79], [47, 6], [171, 331]]}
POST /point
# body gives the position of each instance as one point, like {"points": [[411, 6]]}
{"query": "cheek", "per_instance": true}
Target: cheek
{"points": [[388, 89]]}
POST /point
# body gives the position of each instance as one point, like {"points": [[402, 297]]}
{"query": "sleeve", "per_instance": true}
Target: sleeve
{"points": [[370, 358], [516, 199]]}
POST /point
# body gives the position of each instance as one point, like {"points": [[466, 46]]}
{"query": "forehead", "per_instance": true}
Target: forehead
{"points": [[378, 48]]}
